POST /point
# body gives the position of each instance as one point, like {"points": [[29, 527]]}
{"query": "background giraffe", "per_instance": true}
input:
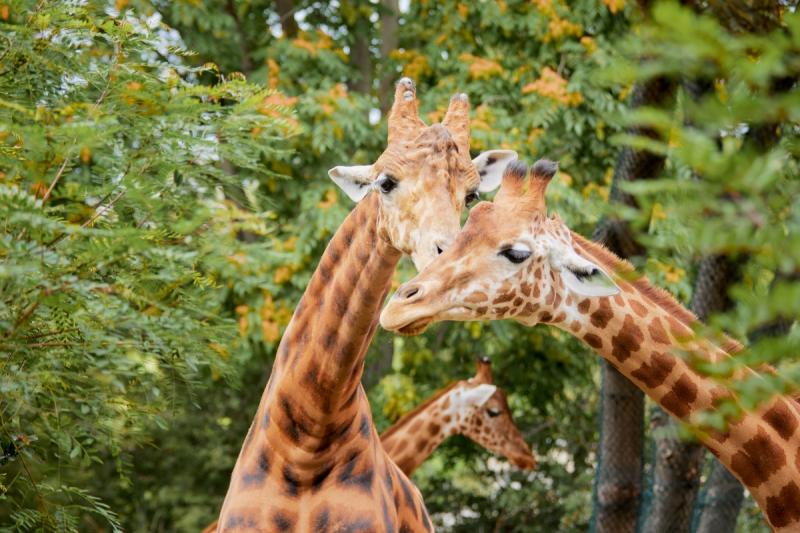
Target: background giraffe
{"points": [[312, 460], [472, 407], [512, 261]]}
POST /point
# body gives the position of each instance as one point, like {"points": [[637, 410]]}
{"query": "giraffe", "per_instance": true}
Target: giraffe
{"points": [[513, 261], [312, 460], [472, 407]]}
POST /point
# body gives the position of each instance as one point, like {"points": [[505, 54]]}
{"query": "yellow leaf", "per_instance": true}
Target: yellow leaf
{"points": [[282, 275], [551, 85], [239, 258], [273, 73], [270, 330], [658, 212], [589, 44], [220, 349], [614, 5], [480, 67], [330, 199], [558, 28]]}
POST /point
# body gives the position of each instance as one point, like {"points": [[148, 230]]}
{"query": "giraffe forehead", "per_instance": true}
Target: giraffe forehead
{"points": [[429, 162]]}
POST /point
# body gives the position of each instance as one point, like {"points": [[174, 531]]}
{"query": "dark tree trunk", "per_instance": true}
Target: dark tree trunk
{"points": [[618, 486], [361, 32], [389, 42], [722, 499], [246, 61], [619, 479], [285, 9]]}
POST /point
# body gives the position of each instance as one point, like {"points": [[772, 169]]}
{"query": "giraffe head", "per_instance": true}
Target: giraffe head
{"points": [[425, 177], [481, 413], [510, 261]]}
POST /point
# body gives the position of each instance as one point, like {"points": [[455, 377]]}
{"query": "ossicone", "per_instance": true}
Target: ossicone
{"points": [[545, 169]]}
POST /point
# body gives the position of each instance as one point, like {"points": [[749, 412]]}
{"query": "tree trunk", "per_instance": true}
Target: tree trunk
{"points": [[361, 57], [619, 479], [722, 500], [285, 9], [618, 485], [389, 41], [246, 61]]}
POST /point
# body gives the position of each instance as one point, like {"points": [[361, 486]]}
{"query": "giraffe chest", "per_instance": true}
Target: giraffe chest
{"points": [[361, 494]]}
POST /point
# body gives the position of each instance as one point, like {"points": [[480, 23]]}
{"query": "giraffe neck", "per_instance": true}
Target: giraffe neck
{"points": [[314, 391], [312, 444], [640, 331], [413, 438]]}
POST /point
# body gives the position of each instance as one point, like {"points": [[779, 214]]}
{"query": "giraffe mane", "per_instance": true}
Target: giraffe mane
{"points": [[655, 295], [416, 410]]}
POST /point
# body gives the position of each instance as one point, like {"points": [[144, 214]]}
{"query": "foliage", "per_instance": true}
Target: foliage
{"points": [[144, 296], [731, 179], [118, 226]]}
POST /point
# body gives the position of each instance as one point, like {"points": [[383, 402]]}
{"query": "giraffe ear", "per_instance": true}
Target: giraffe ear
{"points": [[477, 396], [580, 275], [353, 180], [589, 282], [491, 165]]}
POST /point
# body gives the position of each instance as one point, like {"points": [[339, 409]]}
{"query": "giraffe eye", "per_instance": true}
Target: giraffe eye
{"points": [[493, 412], [471, 198], [386, 183], [515, 255]]}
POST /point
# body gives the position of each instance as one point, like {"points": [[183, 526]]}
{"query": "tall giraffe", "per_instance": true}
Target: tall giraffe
{"points": [[472, 407], [312, 460], [513, 261]]}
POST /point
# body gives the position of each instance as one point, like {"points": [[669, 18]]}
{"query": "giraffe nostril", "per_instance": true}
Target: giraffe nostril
{"points": [[439, 250], [410, 291]]}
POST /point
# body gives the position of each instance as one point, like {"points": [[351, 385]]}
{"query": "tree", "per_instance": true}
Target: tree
{"points": [[116, 225]]}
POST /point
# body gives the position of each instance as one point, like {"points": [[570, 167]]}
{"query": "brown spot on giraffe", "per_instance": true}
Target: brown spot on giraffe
{"points": [[478, 297], [655, 372], [525, 288], [657, 332], [784, 509], [685, 389], [780, 418], [505, 297], [627, 341], [593, 340], [759, 458], [603, 314]]}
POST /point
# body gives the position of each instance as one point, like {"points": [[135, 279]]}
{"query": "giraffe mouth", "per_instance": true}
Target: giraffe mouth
{"points": [[420, 324], [416, 327]]}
